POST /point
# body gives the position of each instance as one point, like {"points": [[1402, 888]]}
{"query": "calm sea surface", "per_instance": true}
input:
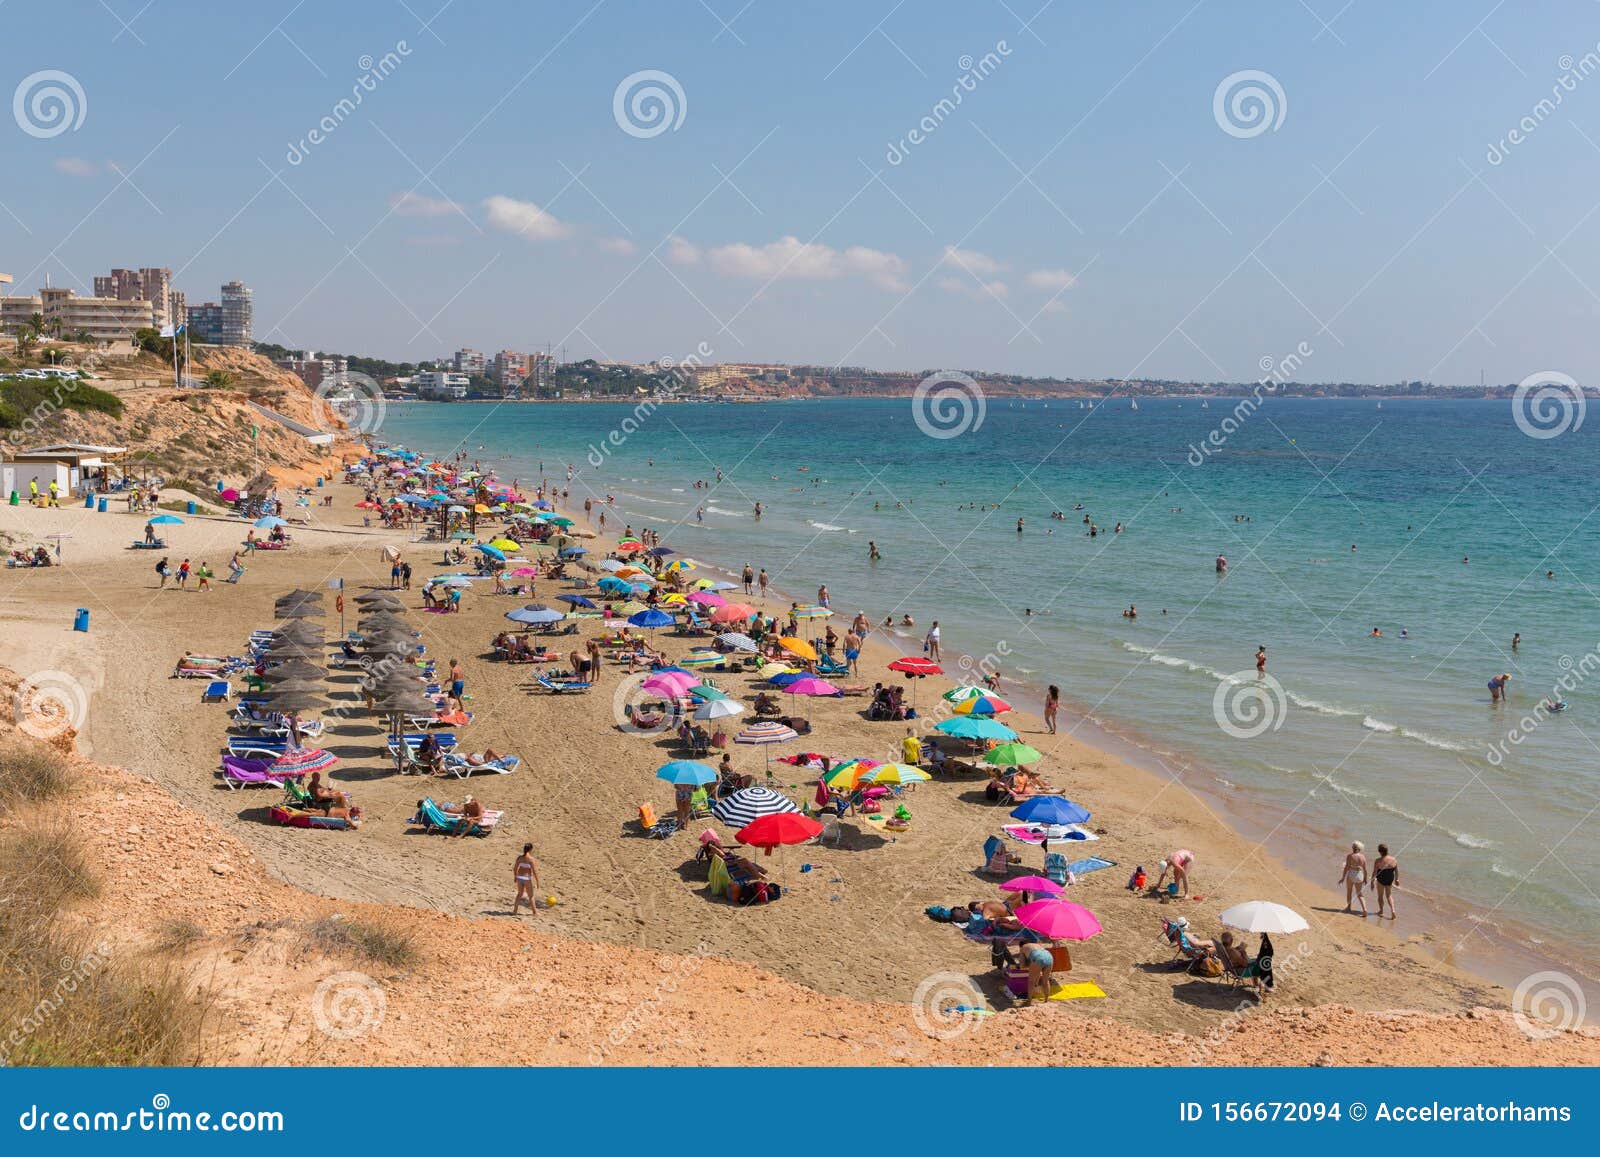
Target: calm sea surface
{"points": [[1388, 739]]}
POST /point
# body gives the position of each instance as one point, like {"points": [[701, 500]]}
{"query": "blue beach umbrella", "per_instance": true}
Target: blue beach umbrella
{"points": [[614, 584], [164, 519], [491, 551], [651, 618], [785, 680], [686, 771], [535, 615], [575, 600], [1050, 809], [268, 523], [573, 552], [975, 727]]}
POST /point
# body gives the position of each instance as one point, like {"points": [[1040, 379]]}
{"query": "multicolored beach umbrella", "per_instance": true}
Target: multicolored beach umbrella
{"points": [[982, 705], [302, 761]]}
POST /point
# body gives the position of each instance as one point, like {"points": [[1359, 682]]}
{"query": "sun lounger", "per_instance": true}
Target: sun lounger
{"points": [[433, 818], [413, 740], [141, 544], [256, 746], [461, 767], [560, 686], [217, 691], [241, 773], [303, 818]]}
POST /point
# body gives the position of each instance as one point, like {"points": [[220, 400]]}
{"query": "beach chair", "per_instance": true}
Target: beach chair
{"points": [[433, 818], [238, 774], [561, 686], [700, 804], [827, 665], [997, 861], [656, 829], [256, 746], [217, 691], [413, 740], [1055, 867], [462, 768]]}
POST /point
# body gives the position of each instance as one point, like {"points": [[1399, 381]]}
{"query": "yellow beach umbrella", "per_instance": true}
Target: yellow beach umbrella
{"points": [[673, 600], [481, 508], [798, 647], [505, 544], [632, 607], [704, 584], [772, 669]]}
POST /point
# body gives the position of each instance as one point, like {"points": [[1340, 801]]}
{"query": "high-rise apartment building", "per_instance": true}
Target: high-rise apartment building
{"points": [[152, 284], [205, 323], [510, 371], [237, 315], [470, 361]]}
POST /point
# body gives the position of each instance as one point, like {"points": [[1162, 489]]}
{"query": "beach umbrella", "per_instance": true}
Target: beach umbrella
{"points": [[294, 669], [481, 508], [718, 709], [573, 552], [674, 600], [297, 699], [848, 773], [563, 522], [297, 629], [982, 705], [1050, 809], [295, 649], [505, 544], [811, 612], [229, 495], [613, 565], [614, 585], [786, 677], [737, 642], [659, 552], [651, 619], [916, 665], [679, 565], [963, 693], [673, 669], [772, 670], [733, 613], [533, 617], [460, 536], [749, 804], [810, 685], [631, 607], [894, 773], [669, 683], [770, 831], [1012, 755], [707, 599], [1263, 916], [686, 771], [451, 580], [270, 522], [302, 761], [456, 510], [1059, 919], [974, 727], [707, 585], [164, 520], [575, 600], [627, 546], [525, 572], [705, 692], [298, 611], [373, 597], [765, 734], [493, 552], [798, 647], [301, 593], [701, 659], [1040, 884], [384, 622]]}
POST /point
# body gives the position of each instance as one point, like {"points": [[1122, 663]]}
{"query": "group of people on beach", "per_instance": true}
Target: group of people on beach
{"points": [[1358, 877]]}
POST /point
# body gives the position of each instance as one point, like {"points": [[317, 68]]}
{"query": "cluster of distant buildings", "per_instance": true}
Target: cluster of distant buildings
{"points": [[510, 372], [126, 300]]}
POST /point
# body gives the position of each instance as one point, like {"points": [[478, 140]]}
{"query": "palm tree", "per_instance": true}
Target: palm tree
{"points": [[219, 379], [26, 340]]}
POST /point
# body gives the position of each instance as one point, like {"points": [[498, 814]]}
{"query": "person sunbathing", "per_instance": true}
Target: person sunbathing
{"points": [[326, 797], [487, 755]]}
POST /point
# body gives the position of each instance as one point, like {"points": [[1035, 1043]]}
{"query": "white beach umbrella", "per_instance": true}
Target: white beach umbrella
{"points": [[719, 709], [1263, 916]]}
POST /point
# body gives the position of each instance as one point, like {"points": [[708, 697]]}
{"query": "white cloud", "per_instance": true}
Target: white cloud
{"points": [[681, 251], [1054, 280], [618, 245], [414, 204], [76, 167], [974, 288], [523, 218], [789, 258], [972, 261]]}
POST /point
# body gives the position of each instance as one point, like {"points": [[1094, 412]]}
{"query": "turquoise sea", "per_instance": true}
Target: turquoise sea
{"points": [[1435, 522]]}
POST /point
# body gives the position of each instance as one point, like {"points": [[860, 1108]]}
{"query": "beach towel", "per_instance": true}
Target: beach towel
{"points": [[720, 880], [1092, 864], [1036, 834], [1080, 990]]}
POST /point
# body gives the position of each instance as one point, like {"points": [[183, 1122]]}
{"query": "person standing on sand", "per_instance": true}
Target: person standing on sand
{"points": [[405, 576], [1178, 863], [526, 874], [204, 574], [748, 578], [852, 648], [183, 575], [458, 678], [1385, 878], [1052, 703], [1354, 877], [762, 581]]}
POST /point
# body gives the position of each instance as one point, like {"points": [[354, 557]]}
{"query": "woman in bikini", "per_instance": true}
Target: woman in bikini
{"points": [[526, 874], [1354, 877], [1052, 703], [1385, 878]]}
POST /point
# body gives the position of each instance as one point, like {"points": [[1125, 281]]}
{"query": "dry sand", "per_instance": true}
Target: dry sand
{"points": [[851, 929]]}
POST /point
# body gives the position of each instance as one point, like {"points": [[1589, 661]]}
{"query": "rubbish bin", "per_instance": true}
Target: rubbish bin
{"points": [[102, 506], [80, 621], [190, 509], [319, 480], [88, 501]]}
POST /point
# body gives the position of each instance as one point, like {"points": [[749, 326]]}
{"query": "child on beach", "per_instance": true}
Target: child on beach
{"points": [[204, 574]]}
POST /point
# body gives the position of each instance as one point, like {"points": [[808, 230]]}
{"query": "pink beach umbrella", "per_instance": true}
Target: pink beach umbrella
{"points": [[733, 613], [1059, 919], [1039, 884], [811, 686], [708, 599], [671, 683]]}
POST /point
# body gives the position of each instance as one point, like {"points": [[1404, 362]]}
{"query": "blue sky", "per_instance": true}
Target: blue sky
{"points": [[1103, 221]]}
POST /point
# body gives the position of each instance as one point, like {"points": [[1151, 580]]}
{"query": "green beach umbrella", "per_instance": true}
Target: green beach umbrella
{"points": [[1013, 755]]}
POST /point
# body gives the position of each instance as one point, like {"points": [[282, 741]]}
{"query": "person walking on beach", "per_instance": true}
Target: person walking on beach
{"points": [[1497, 687], [162, 570], [852, 649], [763, 581], [405, 576], [204, 575], [748, 578], [183, 575], [1052, 704], [235, 569], [1261, 659], [930, 645], [1385, 878], [526, 874], [1354, 877]]}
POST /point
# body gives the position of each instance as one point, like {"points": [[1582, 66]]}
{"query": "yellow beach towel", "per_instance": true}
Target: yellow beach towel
{"points": [[1082, 990]]}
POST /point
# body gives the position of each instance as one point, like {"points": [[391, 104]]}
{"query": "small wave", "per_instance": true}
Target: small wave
{"points": [[828, 526], [1507, 872], [1441, 744], [1379, 725], [653, 501], [1318, 706], [719, 510], [1468, 840]]}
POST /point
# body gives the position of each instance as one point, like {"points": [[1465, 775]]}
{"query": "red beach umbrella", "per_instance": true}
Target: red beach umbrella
{"points": [[782, 828], [916, 665]]}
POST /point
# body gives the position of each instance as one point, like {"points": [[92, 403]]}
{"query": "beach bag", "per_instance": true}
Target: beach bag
{"points": [[1209, 966]]}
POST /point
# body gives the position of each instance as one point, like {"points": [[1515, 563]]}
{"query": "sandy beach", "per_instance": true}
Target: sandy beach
{"points": [[852, 925]]}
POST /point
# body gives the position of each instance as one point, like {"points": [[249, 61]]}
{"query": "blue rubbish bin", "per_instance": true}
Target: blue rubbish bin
{"points": [[319, 480], [88, 501], [190, 509], [102, 506], [80, 621]]}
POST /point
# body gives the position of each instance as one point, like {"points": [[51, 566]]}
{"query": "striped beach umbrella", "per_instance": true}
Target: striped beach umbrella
{"points": [[749, 804], [701, 659], [302, 761], [765, 734], [811, 612], [982, 705], [737, 642], [894, 773]]}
